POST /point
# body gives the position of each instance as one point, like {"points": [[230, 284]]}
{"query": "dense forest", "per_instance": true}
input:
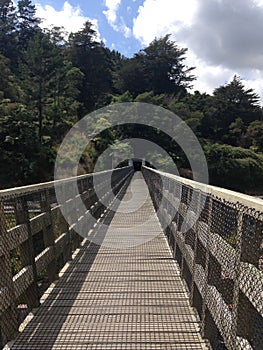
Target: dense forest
{"points": [[50, 79]]}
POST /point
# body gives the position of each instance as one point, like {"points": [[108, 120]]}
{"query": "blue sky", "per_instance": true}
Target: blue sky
{"points": [[223, 37], [117, 33]]}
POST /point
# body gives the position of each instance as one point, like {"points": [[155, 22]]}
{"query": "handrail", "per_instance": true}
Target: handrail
{"points": [[49, 184], [228, 195], [36, 240], [216, 236]]}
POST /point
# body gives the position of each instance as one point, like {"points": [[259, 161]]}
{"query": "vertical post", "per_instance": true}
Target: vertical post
{"points": [[8, 312], [206, 329], [27, 254], [64, 227], [175, 227], [48, 234], [249, 321], [67, 253], [74, 215], [236, 276], [195, 230], [170, 212], [182, 214]]}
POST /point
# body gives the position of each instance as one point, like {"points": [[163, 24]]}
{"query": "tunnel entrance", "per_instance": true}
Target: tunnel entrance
{"points": [[137, 164]]}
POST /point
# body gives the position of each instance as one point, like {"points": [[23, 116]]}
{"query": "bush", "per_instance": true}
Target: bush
{"points": [[234, 168]]}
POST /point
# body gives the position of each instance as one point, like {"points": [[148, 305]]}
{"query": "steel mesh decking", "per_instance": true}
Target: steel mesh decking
{"points": [[128, 298]]}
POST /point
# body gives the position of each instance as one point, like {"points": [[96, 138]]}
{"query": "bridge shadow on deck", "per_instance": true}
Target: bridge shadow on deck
{"points": [[129, 298], [59, 301]]}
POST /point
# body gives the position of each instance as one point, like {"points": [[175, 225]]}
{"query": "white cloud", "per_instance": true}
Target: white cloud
{"points": [[126, 31], [111, 13], [254, 80], [258, 2], [118, 24], [122, 28], [69, 17], [224, 38], [159, 17]]}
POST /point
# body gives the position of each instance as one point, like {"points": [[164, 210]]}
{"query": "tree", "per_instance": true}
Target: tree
{"points": [[93, 60], [237, 133], [27, 22], [234, 101], [22, 157], [52, 84], [255, 133], [159, 68], [235, 168], [8, 25], [131, 77], [62, 105], [163, 63], [38, 70], [9, 85]]}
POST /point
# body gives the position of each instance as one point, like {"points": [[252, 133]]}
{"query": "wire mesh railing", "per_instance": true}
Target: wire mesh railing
{"points": [[217, 238], [36, 240]]}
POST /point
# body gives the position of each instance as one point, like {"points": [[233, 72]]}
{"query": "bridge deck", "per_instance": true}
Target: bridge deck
{"points": [[126, 298]]}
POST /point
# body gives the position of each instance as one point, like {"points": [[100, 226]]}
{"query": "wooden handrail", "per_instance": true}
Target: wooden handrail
{"points": [[18, 232]]}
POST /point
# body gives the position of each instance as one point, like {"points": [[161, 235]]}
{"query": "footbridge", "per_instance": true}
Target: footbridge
{"points": [[153, 261]]}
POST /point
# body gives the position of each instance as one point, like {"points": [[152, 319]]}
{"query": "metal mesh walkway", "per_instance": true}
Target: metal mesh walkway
{"points": [[124, 294]]}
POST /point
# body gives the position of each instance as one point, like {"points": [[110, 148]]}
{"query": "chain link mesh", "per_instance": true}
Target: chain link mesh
{"points": [[36, 241], [218, 243]]}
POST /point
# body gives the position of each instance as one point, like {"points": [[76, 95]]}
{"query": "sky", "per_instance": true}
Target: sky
{"points": [[223, 37]]}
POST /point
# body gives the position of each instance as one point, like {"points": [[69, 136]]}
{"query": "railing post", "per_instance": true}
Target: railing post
{"points": [[175, 221], [244, 314], [227, 245], [170, 213], [194, 291], [27, 254], [182, 213], [49, 234], [9, 312], [76, 238], [207, 330], [236, 277], [63, 227], [67, 253]]}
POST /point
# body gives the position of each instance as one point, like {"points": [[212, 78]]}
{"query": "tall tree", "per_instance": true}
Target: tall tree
{"points": [[163, 62], [230, 102], [9, 85], [235, 101], [8, 25], [93, 60], [131, 76], [27, 22], [52, 84], [159, 68], [255, 133], [38, 70]]}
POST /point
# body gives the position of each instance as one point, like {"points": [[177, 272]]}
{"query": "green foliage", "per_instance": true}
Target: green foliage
{"points": [[163, 64], [48, 81], [255, 133], [8, 24], [23, 159], [234, 167], [93, 60], [159, 68], [27, 22], [230, 102], [9, 86], [125, 97]]}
